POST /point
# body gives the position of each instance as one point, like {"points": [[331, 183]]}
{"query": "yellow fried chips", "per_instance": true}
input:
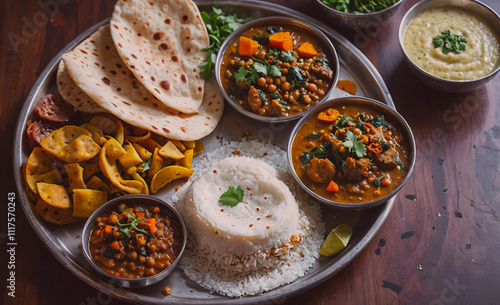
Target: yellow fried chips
{"points": [[78, 168], [86, 201], [71, 144], [54, 194]]}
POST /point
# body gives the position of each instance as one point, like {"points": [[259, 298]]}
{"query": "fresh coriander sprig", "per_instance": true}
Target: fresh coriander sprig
{"points": [[219, 26], [450, 42], [354, 145], [232, 196]]}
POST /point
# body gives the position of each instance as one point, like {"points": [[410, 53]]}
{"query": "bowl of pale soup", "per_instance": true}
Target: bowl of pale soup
{"points": [[451, 45]]}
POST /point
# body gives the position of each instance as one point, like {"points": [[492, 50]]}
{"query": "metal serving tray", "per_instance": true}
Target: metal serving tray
{"points": [[64, 241]]}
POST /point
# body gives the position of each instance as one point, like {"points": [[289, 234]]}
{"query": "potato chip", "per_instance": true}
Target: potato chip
{"points": [[75, 176], [156, 163], [55, 215], [90, 167], [86, 201], [198, 148], [96, 183], [130, 158], [54, 194], [95, 131], [169, 150], [187, 161], [143, 152], [145, 189], [189, 144], [120, 135], [150, 144], [71, 144], [41, 167], [179, 145], [50, 177], [108, 156], [147, 135], [167, 175]]}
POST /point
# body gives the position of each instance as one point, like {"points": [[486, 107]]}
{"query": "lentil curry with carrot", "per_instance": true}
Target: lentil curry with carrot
{"points": [[276, 71], [350, 154], [135, 242]]}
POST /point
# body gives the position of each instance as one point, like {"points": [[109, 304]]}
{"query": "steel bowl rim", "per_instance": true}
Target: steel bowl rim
{"points": [[361, 15], [135, 282], [401, 34], [368, 102], [283, 20]]}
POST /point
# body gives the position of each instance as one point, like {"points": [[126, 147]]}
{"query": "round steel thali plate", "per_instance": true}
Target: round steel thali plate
{"points": [[64, 241]]}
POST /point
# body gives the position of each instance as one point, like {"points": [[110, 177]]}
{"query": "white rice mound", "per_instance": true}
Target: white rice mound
{"points": [[245, 272]]}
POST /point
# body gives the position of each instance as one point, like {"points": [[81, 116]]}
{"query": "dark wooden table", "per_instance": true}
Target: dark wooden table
{"points": [[453, 257]]}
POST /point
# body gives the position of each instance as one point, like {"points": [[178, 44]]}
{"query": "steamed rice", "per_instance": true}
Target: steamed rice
{"points": [[233, 275]]}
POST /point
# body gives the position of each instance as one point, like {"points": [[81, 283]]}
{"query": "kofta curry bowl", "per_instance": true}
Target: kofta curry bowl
{"points": [[275, 69], [452, 46], [351, 153], [134, 240]]}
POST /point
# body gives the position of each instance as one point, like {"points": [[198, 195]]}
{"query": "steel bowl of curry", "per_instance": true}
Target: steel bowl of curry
{"points": [[352, 152], [275, 69], [134, 240]]}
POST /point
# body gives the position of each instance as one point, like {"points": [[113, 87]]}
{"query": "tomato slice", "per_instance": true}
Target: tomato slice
{"points": [[54, 108], [37, 131]]}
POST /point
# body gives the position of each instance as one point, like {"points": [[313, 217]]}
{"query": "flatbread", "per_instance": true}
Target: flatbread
{"points": [[73, 94], [160, 41], [96, 67]]}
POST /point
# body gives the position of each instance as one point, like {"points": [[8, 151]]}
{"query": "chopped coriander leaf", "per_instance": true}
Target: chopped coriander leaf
{"points": [[248, 76], [260, 68], [450, 42], [218, 26], [274, 71], [146, 164], [354, 145], [232, 196], [287, 56]]}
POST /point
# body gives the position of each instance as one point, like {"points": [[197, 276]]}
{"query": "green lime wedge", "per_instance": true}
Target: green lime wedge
{"points": [[337, 240]]}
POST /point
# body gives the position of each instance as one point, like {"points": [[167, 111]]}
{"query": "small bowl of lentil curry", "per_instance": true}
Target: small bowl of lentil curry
{"points": [[274, 69], [134, 240], [352, 152]]}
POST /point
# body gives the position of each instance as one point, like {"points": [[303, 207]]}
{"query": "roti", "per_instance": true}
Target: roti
{"points": [[73, 94], [97, 68], [161, 42]]}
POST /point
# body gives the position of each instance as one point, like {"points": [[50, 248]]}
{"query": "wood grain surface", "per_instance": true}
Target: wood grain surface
{"points": [[440, 243]]}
